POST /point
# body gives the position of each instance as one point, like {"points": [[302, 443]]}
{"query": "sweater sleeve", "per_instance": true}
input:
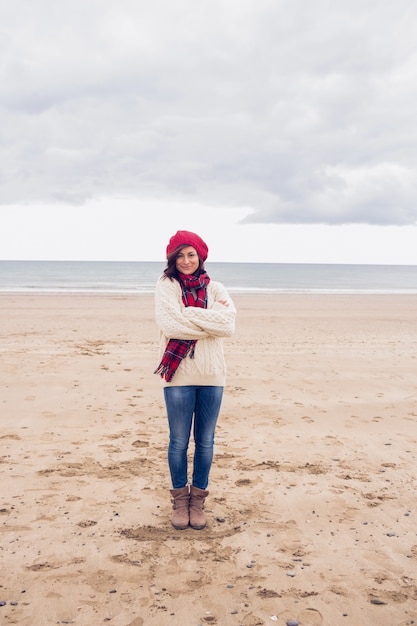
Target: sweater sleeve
{"points": [[169, 313], [218, 320]]}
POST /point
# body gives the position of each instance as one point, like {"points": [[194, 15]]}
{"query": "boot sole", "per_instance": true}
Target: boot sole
{"points": [[179, 527]]}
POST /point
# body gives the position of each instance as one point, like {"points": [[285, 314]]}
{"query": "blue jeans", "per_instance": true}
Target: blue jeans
{"points": [[183, 404]]}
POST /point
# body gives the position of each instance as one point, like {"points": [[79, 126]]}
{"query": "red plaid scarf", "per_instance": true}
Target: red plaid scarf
{"points": [[194, 293]]}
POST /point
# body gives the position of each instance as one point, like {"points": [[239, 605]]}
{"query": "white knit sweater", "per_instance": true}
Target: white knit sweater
{"points": [[208, 326]]}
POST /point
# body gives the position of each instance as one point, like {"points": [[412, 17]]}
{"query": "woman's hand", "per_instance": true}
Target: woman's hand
{"points": [[224, 302]]}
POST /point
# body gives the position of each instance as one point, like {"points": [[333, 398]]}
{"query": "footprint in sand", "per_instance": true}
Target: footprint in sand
{"points": [[140, 444], [307, 419], [138, 621], [310, 617]]}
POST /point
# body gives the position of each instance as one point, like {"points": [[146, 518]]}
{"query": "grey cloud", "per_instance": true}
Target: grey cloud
{"points": [[302, 112]]}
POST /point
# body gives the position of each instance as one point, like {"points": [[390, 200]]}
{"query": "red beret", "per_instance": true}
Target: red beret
{"points": [[185, 238]]}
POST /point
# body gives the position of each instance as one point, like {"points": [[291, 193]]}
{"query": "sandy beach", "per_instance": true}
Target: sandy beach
{"points": [[312, 506]]}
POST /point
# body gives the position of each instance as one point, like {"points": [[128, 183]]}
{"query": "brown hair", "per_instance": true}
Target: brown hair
{"points": [[171, 271]]}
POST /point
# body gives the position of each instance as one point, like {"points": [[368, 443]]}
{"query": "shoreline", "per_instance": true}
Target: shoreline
{"points": [[234, 294], [311, 507], [240, 292]]}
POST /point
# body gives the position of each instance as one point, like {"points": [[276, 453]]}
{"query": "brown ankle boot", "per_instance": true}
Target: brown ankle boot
{"points": [[198, 518], [180, 518]]}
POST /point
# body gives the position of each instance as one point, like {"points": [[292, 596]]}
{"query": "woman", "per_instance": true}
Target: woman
{"points": [[193, 314]]}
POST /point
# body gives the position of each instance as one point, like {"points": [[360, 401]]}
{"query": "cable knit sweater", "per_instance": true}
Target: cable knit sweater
{"points": [[208, 326]]}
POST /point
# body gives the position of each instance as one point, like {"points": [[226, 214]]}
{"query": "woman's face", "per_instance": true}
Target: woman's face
{"points": [[187, 261]]}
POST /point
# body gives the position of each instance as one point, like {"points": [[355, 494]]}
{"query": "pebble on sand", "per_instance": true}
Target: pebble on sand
{"points": [[377, 601]]}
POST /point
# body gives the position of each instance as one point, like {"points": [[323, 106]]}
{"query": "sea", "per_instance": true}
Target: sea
{"points": [[119, 277]]}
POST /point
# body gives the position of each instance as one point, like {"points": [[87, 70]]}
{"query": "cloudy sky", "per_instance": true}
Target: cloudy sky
{"points": [[280, 130]]}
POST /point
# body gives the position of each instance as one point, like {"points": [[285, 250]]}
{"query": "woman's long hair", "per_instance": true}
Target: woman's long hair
{"points": [[171, 271]]}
